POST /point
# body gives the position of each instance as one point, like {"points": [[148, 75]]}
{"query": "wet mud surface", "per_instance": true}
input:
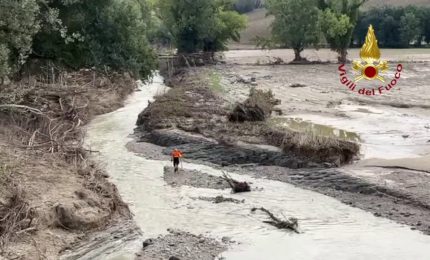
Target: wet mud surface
{"points": [[204, 149], [402, 206], [406, 205], [181, 245], [193, 178]]}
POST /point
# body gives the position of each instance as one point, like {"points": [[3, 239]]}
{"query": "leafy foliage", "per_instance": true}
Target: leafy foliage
{"points": [[395, 26], [18, 24], [201, 25], [338, 21], [107, 34], [101, 33], [296, 23]]}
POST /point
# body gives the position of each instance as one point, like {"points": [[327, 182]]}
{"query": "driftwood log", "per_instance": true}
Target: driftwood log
{"points": [[291, 223], [235, 185]]}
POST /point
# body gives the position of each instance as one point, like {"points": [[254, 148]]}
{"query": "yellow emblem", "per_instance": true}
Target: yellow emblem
{"points": [[370, 64]]}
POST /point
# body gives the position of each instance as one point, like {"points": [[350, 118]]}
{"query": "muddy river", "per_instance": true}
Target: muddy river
{"points": [[329, 229]]}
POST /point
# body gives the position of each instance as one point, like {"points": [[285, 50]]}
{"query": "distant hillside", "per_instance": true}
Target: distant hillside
{"points": [[259, 24]]}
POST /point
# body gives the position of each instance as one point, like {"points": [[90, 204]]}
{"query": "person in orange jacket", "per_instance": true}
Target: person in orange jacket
{"points": [[176, 154]]}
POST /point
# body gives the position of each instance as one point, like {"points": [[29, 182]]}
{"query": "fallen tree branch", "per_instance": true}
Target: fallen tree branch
{"points": [[31, 109], [235, 185], [291, 223]]}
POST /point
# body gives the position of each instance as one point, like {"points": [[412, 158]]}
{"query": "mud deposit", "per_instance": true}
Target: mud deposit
{"points": [[400, 205], [329, 228], [181, 245], [193, 178]]}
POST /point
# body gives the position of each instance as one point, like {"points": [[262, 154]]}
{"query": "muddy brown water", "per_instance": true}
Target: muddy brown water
{"points": [[330, 229]]}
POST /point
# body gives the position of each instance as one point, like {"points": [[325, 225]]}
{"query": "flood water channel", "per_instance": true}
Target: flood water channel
{"points": [[329, 228]]}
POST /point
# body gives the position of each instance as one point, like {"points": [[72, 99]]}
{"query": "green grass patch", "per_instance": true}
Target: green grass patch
{"points": [[215, 82]]}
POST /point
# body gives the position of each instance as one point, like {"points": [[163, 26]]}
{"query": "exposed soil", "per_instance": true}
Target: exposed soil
{"points": [[52, 198], [181, 245]]}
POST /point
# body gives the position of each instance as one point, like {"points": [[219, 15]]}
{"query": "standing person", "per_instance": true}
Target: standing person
{"points": [[176, 154]]}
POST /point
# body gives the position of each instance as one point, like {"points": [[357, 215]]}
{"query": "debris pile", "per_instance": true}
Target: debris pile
{"points": [[235, 185], [291, 223]]}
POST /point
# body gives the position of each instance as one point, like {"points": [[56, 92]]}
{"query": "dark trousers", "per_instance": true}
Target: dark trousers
{"points": [[175, 161]]}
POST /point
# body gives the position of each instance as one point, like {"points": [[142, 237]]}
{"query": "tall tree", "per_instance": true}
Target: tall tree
{"points": [[410, 29], [295, 25], [201, 25], [338, 20]]}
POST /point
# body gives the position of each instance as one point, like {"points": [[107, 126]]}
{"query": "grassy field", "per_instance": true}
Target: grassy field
{"points": [[259, 23]]}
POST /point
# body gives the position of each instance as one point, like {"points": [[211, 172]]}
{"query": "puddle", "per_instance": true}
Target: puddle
{"points": [[300, 125], [331, 230]]}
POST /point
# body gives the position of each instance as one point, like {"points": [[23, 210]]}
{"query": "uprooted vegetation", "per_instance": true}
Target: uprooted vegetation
{"points": [[291, 223], [191, 105], [52, 189], [16, 215], [236, 186], [258, 107]]}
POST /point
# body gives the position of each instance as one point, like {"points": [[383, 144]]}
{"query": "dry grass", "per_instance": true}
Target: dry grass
{"points": [[315, 147], [48, 116], [258, 107], [16, 215], [41, 130]]}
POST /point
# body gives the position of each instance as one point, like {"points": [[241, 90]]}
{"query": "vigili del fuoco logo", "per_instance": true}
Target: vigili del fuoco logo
{"points": [[370, 68]]}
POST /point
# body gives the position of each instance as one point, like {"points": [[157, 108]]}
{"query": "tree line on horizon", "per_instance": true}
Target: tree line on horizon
{"points": [[395, 27], [121, 35], [341, 24]]}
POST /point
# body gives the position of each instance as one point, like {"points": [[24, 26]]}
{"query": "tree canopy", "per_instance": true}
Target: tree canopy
{"points": [[106, 34], [295, 25], [396, 27], [338, 21], [201, 25]]}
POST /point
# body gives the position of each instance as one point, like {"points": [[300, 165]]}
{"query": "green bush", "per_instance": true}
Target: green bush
{"points": [[106, 34], [18, 25]]}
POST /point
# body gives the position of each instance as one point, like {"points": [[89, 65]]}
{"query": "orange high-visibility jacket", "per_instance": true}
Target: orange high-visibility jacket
{"points": [[176, 154]]}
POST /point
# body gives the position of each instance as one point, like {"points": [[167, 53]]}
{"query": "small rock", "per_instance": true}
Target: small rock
{"points": [[405, 136], [377, 214], [147, 242], [174, 258], [226, 239]]}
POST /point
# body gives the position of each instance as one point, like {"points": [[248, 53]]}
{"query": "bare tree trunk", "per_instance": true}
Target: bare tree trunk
{"points": [[342, 55], [297, 56]]}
